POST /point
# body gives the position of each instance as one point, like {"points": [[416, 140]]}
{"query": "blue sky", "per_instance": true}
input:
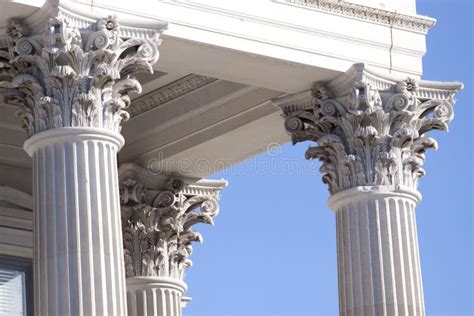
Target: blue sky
{"points": [[273, 248]]}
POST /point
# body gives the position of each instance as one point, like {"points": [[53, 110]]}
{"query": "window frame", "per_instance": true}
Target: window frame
{"points": [[24, 265]]}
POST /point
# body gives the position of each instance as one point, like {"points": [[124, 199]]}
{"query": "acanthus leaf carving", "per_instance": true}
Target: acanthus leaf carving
{"points": [[370, 129], [68, 76], [158, 225]]}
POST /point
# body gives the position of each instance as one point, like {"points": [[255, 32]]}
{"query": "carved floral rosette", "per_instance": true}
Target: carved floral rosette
{"points": [[158, 224], [369, 129], [68, 76]]}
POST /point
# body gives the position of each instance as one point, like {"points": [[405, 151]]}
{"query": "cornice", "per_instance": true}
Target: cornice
{"points": [[168, 93], [81, 17], [420, 24]]}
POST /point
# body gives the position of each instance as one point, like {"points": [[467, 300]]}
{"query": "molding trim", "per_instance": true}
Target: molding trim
{"points": [[367, 193], [65, 135], [158, 181], [168, 93], [420, 24], [150, 282], [80, 16], [15, 196], [16, 215]]}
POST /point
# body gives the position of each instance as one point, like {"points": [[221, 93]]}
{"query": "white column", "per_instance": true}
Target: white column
{"points": [[71, 82], [78, 253], [377, 248], [158, 216], [155, 296], [370, 133]]}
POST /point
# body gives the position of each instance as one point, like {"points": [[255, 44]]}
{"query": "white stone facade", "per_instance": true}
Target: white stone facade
{"points": [[110, 240]]}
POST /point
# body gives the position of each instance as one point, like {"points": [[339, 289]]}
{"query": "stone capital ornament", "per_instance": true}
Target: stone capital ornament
{"points": [[65, 70], [370, 129], [158, 216]]}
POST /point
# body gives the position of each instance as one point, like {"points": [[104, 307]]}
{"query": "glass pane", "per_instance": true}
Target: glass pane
{"points": [[12, 292]]}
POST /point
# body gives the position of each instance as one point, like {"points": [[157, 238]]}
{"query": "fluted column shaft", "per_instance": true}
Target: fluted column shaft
{"points": [[377, 249], [78, 253], [155, 296]]}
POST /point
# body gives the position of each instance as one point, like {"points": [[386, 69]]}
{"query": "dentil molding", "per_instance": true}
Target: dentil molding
{"points": [[370, 129], [158, 215], [168, 93], [67, 70], [420, 24]]}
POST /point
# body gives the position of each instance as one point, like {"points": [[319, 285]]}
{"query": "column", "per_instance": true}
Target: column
{"points": [[78, 263], [370, 133], [377, 250], [71, 82], [158, 215]]}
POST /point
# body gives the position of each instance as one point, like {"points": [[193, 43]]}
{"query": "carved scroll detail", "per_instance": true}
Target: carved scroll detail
{"points": [[369, 130], [72, 77], [158, 225]]}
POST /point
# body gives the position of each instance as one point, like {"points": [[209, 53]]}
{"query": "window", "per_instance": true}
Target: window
{"points": [[15, 286]]}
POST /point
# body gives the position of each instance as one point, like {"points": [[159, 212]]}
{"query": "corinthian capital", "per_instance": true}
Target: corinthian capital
{"points": [[370, 129], [158, 216], [68, 71]]}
